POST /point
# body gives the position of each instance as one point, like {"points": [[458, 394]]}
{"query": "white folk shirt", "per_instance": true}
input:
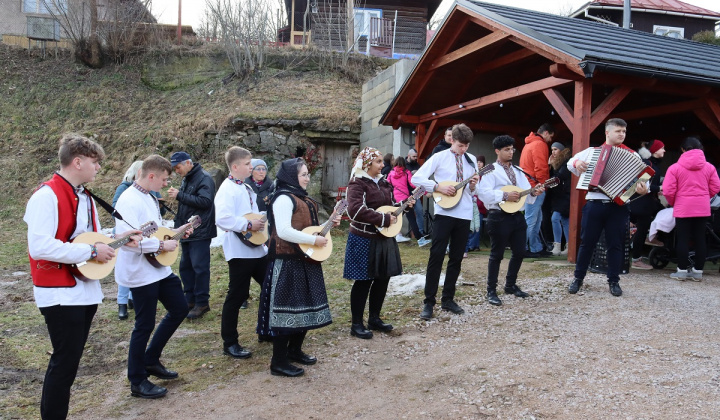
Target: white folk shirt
{"points": [[584, 156], [132, 268], [232, 202], [441, 166], [41, 216], [282, 213], [488, 188]]}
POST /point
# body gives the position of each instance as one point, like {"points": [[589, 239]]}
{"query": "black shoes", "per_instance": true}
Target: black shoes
{"points": [[377, 324], [427, 312], [514, 290], [575, 286], [244, 305], [159, 371], [131, 305], [147, 389], [359, 331], [615, 289], [301, 357], [286, 369], [493, 298], [263, 338], [237, 351], [453, 307], [122, 311], [198, 311]]}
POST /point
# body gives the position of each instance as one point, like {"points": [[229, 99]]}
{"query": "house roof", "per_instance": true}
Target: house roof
{"points": [[673, 6], [610, 48]]}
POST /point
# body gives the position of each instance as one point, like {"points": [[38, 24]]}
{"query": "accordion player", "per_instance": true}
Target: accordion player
{"points": [[614, 171]]}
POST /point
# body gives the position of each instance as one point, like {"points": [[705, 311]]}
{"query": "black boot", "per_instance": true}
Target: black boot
{"points": [[575, 286], [377, 324], [122, 311], [493, 298], [358, 329], [279, 364], [295, 353]]}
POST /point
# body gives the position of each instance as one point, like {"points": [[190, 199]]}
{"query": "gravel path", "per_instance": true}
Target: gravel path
{"points": [[651, 354]]}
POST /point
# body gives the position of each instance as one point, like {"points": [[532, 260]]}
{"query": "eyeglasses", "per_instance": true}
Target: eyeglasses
{"points": [[261, 169]]}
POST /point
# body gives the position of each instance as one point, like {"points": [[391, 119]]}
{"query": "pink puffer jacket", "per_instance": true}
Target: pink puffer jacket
{"points": [[399, 178], [689, 184]]}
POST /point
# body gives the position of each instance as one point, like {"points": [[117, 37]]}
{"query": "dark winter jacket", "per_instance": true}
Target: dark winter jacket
{"points": [[364, 196], [262, 191], [195, 197], [648, 204], [443, 145], [560, 196]]}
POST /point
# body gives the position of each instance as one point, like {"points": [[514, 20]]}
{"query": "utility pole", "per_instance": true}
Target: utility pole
{"points": [[626, 13], [179, 28]]}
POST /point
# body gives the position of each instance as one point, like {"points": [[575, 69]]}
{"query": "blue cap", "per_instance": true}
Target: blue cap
{"points": [[179, 157]]}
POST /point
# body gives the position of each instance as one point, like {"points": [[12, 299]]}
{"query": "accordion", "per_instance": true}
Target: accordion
{"points": [[615, 172]]}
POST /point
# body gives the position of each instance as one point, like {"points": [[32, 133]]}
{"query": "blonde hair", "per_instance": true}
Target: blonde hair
{"points": [[131, 173], [235, 153]]}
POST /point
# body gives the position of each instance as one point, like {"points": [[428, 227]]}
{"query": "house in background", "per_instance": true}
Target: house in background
{"points": [[671, 18], [27, 23], [384, 28]]}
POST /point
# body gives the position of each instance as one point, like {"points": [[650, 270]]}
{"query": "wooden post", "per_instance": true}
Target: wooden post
{"points": [[419, 137], [179, 28], [581, 141]]}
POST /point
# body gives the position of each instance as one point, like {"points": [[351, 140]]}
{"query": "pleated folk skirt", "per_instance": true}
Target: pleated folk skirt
{"points": [[367, 259], [293, 298]]}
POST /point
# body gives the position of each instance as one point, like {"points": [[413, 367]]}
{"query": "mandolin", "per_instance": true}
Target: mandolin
{"points": [[449, 201], [167, 258], [94, 270], [512, 206], [258, 237], [394, 228], [321, 253]]}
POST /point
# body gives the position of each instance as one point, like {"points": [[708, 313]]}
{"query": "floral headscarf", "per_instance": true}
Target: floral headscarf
{"points": [[363, 161]]}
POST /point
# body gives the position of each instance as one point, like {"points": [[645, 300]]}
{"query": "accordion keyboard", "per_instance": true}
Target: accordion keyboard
{"points": [[585, 177]]}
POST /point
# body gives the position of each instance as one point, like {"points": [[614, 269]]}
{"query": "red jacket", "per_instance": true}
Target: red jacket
{"points": [[534, 158], [50, 273]]}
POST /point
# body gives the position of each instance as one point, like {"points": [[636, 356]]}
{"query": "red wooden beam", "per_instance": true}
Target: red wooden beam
{"points": [[507, 95], [713, 107], [473, 47], [608, 105], [561, 107], [563, 71], [656, 111], [493, 64], [419, 136], [488, 126], [425, 145], [420, 86], [709, 119], [540, 48], [581, 141]]}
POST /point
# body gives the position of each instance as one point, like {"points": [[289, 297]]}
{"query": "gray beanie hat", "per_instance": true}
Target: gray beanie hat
{"points": [[557, 145], [258, 162]]}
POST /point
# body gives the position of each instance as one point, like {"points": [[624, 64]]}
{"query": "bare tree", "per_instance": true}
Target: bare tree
{"points": [[247, 29], [335, 30], [209, 27], [94, 36]]}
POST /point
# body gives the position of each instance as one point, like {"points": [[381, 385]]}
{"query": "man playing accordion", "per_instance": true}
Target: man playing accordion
{"points": [[604, 213]]}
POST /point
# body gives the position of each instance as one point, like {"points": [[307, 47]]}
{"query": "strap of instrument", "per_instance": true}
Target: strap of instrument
{"points": [[108, 208], [244, 240], [163, 205], [528, 175]]}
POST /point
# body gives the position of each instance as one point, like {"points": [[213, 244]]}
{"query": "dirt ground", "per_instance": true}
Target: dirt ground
{"points": [[651, 354]]}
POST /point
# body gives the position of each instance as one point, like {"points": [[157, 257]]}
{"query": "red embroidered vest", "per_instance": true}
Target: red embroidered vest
{"points": [[50, 273]]}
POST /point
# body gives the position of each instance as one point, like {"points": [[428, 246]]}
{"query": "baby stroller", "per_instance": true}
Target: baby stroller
{"points": [[661, 256]]}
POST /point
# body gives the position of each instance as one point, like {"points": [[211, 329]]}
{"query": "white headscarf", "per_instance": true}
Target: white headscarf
{"points": [[363, 161]]}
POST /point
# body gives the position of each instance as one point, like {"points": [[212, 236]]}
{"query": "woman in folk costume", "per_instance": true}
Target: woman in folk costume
{"points": [[293, 298], [370, 258]]}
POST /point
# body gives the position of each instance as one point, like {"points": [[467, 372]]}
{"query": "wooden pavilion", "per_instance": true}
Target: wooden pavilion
{"points": [[506, 70]]}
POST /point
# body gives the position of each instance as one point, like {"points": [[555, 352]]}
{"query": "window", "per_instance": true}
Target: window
{"points": [[670, 31], [42, 6], [362, 27]]}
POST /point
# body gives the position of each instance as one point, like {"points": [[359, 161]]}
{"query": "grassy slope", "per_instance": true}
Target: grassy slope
{"points": [[41, 99]]}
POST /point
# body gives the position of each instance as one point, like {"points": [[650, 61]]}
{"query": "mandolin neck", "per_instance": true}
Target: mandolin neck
{"points": [[328, 225]]}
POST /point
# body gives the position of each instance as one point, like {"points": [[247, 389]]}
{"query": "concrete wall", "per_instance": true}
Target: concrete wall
{"points": [[377, 94]]}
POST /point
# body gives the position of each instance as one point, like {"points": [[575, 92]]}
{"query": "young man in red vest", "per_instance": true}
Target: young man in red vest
{"points": [[58, 211]]}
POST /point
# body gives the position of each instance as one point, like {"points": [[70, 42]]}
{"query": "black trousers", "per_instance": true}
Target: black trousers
{"points": [[505, 229], [68, 327], [167, 291], [596, 216], [690, 228], [194, 271], [240, 270], [455, 231], [642, 222]]}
